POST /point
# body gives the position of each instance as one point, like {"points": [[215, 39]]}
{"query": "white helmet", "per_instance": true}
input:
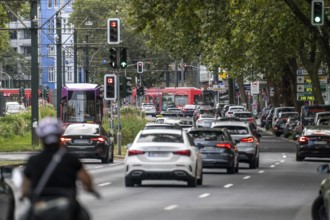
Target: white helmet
{"points": [[49, 130]]}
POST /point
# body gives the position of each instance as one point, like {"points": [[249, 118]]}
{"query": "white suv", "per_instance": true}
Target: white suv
{"points": [[148, 109]]}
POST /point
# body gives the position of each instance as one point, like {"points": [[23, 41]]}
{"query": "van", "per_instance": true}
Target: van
{"points": [[14, 108]]}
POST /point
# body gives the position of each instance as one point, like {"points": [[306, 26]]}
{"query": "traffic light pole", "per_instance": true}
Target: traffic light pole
{"points": [[118, 115]]}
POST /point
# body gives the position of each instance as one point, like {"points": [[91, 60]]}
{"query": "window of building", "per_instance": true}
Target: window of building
{"points": [[51, 74], [70, 74], [51, 50], [50, 3], [56, 3], [26, 34], [13, 35], [27, 51]]}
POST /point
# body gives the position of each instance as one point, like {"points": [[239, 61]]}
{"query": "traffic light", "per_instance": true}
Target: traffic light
{"points": [[140, 91], [139, 67], [128, 86], [123, 58], [113, 27], [110, 85], [113, 57], [317, 12]]}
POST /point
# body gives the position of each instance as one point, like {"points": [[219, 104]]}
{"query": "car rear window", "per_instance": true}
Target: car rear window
{"points": [[243, 115], [82, 130], [235, 129], [208, 135], [169, 138]]}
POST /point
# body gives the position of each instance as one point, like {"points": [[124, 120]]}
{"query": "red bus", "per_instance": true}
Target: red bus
{"points": [[177, 96], [13, 95]]}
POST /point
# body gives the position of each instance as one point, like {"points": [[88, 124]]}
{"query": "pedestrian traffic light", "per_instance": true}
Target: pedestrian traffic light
{"points": [[113, 27], [128, 86], [139, 67], [110, 85], [123, 58], [317, 12], [113, 57]]}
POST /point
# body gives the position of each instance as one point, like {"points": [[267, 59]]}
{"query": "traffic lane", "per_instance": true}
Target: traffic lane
{"points": [[154, 198]]}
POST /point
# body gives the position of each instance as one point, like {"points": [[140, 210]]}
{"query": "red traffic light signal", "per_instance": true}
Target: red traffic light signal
{"points": [[113, 27], [139, 67], [110, 85]]}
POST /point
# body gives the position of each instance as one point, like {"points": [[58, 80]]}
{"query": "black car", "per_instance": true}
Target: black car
{"points": [[88, 141], [313, 142], [7, 196], [279, 126], [269, 117], [219, 150]]}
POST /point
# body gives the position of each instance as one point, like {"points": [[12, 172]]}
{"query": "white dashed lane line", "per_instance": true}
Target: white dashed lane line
{"points": [[272, 166], [261, 171], [170, 207], [246, 177], [104, 184], [204, 195], [228, 185]]}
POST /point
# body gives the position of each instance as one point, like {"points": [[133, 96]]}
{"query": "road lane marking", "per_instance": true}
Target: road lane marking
{"points": [[98, 167], [170, 207], [228, 185], [282, 161], [272, 166], [261, 171], [105, 184], [246, 177], [277, 163], [204, 195], [284, 155]]}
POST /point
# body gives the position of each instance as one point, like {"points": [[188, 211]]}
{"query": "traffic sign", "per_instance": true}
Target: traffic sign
{"points": [[255, 88]]}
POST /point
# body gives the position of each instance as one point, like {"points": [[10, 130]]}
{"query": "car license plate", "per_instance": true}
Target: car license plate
{"points": [[158, 154], [81, 141]]}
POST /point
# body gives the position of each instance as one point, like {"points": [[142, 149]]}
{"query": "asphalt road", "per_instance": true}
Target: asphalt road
{"points": [[280, 189]]}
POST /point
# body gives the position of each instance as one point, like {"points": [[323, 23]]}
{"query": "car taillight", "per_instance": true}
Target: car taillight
{"points": [[183, 152], [303, 139], [250, 119], [223, 145], [247, 140], [135, 152], [65, 140], [98, 139]]}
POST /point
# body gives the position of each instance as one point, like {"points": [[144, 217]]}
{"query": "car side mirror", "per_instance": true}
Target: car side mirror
{"points": [[324, 168]]}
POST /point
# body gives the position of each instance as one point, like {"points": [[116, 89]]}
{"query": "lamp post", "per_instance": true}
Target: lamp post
{"points": [[58, 62]]}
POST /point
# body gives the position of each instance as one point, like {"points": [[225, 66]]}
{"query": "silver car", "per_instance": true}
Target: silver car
{"points": [[163, 154], [248, 146]]}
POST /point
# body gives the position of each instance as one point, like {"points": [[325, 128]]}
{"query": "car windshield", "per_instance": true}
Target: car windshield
{"points": [[235, 129], [81, 130], [170, 138]]}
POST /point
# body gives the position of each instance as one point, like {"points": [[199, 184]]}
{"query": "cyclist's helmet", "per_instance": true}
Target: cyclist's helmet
{"points": [[49, 130]]}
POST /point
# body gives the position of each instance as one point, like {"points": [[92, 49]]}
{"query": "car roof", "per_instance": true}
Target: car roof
{"points": [[83, 124], [230, 123], [162, 131]]}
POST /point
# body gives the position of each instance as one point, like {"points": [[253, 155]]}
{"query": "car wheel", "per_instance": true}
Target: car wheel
{"points": [[200, 180], [107, 158], [192, 182], [237, 167], [253, 164], [318, 209], [129, 182], [138, 182], [299, 158], [277, 134], [286, 135], [231, 170]]}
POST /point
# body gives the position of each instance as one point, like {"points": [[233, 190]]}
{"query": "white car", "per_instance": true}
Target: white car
{"points": [[232, 109], [148, 109], [163, 154]]}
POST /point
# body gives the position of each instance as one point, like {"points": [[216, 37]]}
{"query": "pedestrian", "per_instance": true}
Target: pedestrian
{"points": [[62, 180]]}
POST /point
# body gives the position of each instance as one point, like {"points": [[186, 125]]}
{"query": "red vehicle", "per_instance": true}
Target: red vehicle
{"points": [[13, 95], [170, 96]]}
